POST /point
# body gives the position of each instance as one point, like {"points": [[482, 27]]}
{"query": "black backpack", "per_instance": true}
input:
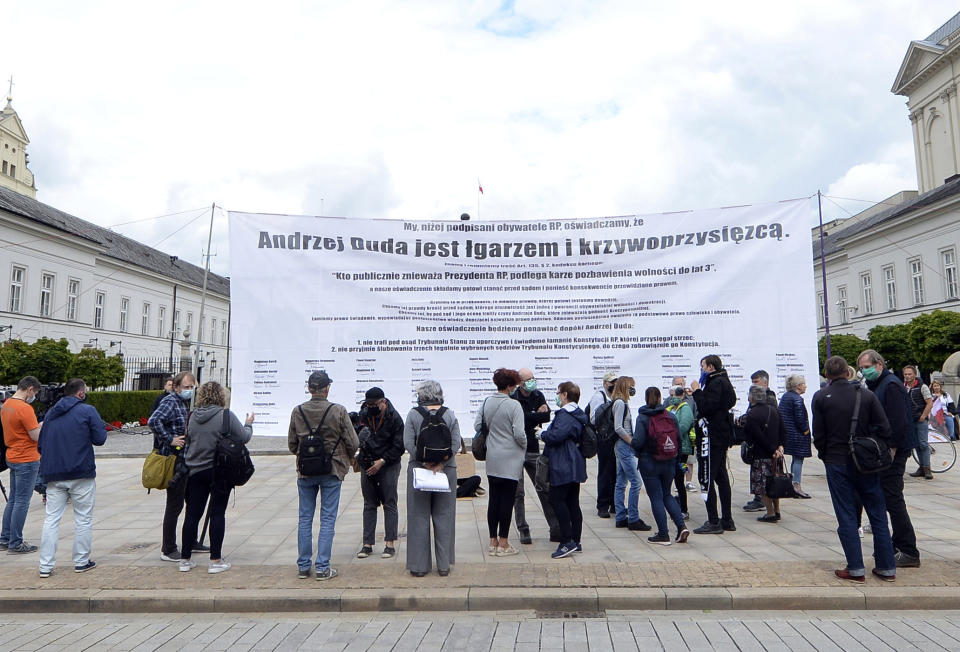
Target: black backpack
{"points": [[232, 466], [434, 441], [312, 456], [603, 421], [588, 441]]}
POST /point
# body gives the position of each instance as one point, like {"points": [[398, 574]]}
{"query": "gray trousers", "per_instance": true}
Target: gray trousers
{"points": [[381, 489], [423, 509], [519, 512]]}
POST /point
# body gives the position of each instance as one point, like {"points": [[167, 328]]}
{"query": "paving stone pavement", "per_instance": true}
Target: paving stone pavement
{"points": [[261, 538], [876, 631]]}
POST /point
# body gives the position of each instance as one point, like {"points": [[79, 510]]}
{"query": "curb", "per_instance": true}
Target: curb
{"points": [[120, 456], [571, 600]]}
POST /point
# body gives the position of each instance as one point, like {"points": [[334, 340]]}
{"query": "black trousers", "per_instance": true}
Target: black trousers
{"points": [[565, 499], [468, 486], [171, 513], [719, 484], [606, 473], [199, 489], [901, 528], [679, 481], [500, 505]]}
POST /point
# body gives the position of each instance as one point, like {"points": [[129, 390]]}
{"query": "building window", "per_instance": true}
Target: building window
{"points": [[948, 260], [161, 318], [73, 298], [145, 320], [203, 319], [190, 324], [46, 294], [98, 310], [821, 313], [916, 281], [13, 170], [4, 167], [16, 288], [866, 291], [890, 285], [124, 311], [213, 330], [842, 303], [223, 332], [176, 323]]}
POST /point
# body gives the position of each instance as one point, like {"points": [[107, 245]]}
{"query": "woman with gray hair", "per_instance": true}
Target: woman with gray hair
{"points": [[426, 507], [797, 426]]}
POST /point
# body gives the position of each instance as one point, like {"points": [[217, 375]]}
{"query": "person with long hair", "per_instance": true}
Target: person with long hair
{"points": [[209, 419], [568, 468], [628, 515]]}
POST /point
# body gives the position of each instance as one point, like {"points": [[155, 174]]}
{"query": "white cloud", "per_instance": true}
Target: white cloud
{"points": [[389, 109]]}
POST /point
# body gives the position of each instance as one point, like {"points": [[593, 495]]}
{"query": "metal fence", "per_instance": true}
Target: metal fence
{"points": [[150, 373]]}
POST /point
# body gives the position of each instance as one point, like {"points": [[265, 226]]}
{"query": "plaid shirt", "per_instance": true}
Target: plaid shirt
{"points": [[169, 420]]}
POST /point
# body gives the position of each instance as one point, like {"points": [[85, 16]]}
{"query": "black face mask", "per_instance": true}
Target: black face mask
{"points": [[373, 410], [609, 389], [633, 391]]}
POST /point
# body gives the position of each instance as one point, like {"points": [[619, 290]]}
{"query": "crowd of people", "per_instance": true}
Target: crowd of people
{"points": [[653, 446]]}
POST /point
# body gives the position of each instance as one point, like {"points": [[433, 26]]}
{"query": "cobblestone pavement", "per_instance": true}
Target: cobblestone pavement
{"points": [[614, 631], [262, 530]]}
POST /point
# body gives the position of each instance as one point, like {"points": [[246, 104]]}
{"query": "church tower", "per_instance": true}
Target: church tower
{"points": [[13, 152]]}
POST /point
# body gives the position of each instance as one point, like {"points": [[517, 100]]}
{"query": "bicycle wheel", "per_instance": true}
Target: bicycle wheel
{"points": [[943, 453]]}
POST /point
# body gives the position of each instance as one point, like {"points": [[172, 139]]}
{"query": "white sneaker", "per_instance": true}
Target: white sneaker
{"points": [[860, 532], [186, 565], [218, 566], [692, 487]]}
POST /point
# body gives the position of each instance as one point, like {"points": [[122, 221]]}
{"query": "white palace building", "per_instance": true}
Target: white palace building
{"points": [[68, 278], [898, 259]]}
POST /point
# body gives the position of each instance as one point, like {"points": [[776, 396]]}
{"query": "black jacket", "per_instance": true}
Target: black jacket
{"points": [[385, 438], [832, 415], [896, 406], [714, 401], [763, 427], [532, 418]]}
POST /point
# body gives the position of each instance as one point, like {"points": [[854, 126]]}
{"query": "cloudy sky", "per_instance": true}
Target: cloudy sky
{"points": [[395, 109]]}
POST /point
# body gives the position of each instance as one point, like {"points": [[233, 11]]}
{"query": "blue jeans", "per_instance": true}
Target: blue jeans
{"points": [[923, 447], [626, 472], [846, 485], [329, 487], [796, 468], [658, 476], [23, 476], [951, 425]]}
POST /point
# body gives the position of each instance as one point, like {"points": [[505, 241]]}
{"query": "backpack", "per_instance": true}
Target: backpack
{"points": [[686, 439], [312, 456], [232, 466], [662, 431], [434, 442], [603, 421], [588, 441]]}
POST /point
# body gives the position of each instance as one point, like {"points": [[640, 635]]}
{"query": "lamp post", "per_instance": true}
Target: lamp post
{"points": [[213, 363], [8, 327], [200, 362], [91, 343], [119, 344]]}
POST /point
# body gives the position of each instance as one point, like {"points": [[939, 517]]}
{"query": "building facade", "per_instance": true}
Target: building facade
{"points": [[899, 259], [64, 277]]}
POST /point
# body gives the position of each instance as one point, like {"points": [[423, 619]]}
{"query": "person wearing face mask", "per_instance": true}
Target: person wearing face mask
{"points": [[381, 447], [169, 423], [921, 402], [606, 458], [535, 414], [896, 407], [20, 434], [628, 515], [71, 430]]}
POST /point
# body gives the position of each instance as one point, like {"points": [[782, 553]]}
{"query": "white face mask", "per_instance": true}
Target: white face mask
{"points": [[32, 399]]}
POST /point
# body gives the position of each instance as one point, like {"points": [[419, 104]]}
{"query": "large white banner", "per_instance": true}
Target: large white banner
{"points": [[390, 303]]}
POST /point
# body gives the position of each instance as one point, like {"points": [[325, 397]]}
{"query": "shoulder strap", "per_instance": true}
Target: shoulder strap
{"points": [[856, 415], [322, 419], [225, 425]]}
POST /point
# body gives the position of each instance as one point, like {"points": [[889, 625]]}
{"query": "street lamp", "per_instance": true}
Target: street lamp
{"points": [[200, 362], [117, 343], [91, 343], [9, 327]]}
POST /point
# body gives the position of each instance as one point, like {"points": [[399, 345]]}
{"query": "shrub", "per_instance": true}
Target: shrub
{"points": [[123, 406]]}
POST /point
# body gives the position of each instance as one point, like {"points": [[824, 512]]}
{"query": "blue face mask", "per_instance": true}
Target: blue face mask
{"points": [[186, 394], [557, 399]]}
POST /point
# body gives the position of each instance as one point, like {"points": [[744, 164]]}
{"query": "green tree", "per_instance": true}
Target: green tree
{"points": [[934, 336], [848, 346], [893, 343], [96, 368], [46, 359], [13, 354]]}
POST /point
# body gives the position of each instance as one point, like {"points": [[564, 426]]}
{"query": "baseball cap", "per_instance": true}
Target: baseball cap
{"points": [[373, 394], [319, 380], [610, 375]]}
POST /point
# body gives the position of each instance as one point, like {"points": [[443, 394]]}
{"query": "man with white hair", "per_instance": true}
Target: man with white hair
{"points": [[606, 457]]}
